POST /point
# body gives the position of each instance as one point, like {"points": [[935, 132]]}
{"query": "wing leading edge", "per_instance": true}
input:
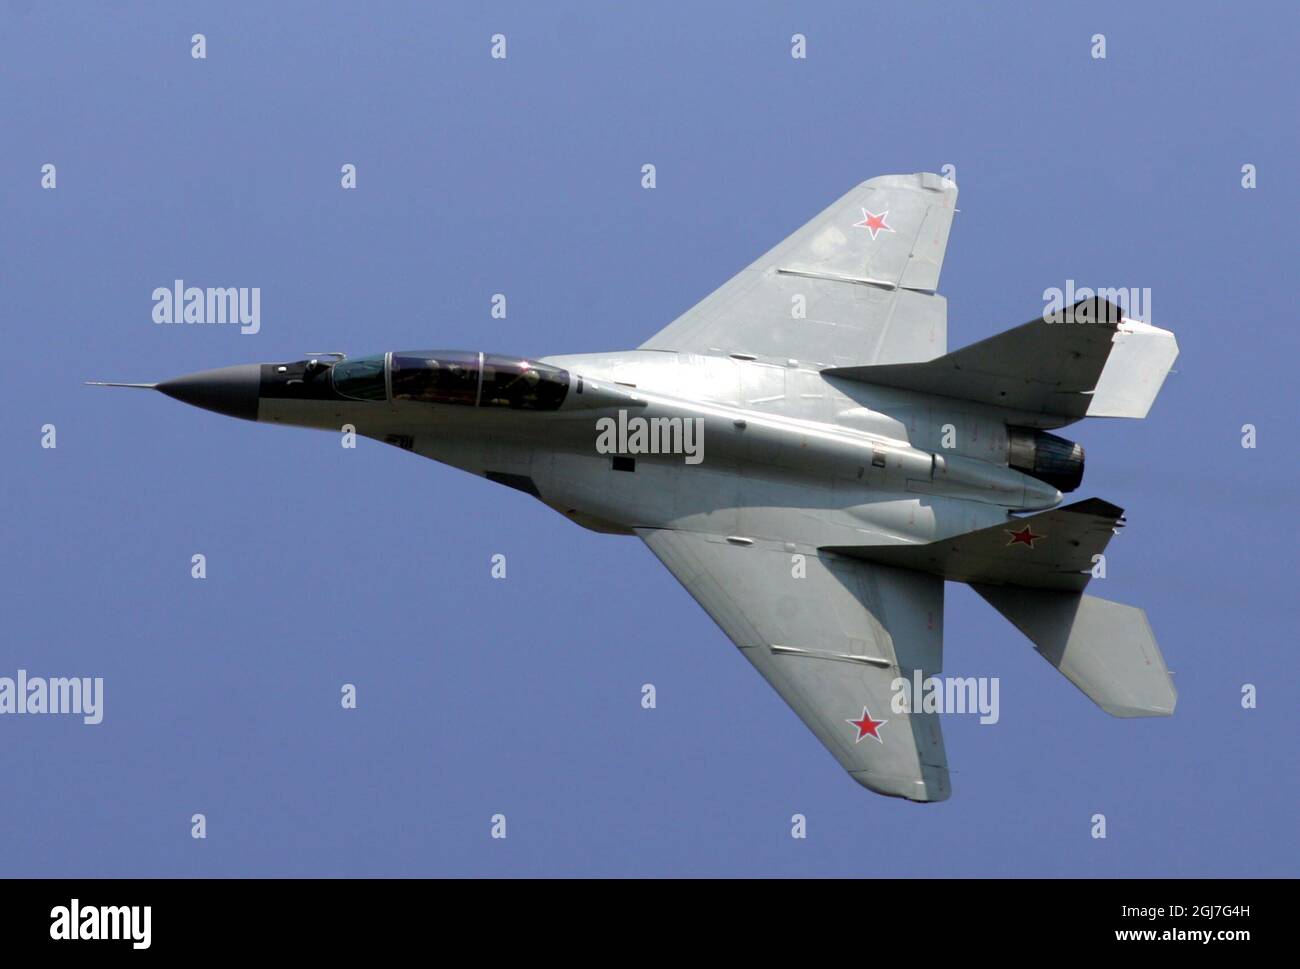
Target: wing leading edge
{"points": [[831, 643]]}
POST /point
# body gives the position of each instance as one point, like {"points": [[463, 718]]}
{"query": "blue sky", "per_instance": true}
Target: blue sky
{"points": [[522, 176]]}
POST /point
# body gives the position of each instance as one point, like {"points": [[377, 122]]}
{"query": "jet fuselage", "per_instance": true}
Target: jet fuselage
{"points": [[844, 463]]}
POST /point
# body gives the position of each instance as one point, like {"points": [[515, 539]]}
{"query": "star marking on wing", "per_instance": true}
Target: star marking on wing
{"points": [[868, 727], [873, 223], [1023, 537]]}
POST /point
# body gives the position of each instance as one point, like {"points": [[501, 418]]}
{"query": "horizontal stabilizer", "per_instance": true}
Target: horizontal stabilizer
{"points": [[1051, 550], [1104, 648], [1084, 361]]}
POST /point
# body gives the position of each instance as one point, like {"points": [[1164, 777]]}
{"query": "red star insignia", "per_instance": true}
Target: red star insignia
{"points": [[868, 727], [875, 224], [1023, 537]]}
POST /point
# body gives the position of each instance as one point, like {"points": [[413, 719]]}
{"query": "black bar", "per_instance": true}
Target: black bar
{"points": [[881, 915]]}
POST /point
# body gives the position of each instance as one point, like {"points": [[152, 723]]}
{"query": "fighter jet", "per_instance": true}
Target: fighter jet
{"points": [[806, 457]]}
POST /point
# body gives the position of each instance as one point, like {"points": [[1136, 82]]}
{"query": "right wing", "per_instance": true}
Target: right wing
{"points": [[854, 286], [831, 643]]}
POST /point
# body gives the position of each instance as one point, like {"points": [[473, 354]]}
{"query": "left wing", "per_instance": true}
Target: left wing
{"points": [[831, 643], [855, 286]]}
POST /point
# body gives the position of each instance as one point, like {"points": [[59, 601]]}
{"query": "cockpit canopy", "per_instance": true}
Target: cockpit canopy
{"points": [[361, 379], [461, 377]]}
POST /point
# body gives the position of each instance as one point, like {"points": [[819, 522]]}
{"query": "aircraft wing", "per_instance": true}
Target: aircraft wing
{"points": [[831, 644], [855, 286]]}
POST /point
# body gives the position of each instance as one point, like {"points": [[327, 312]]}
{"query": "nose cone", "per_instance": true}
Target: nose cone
{"points": [[233, 391]]}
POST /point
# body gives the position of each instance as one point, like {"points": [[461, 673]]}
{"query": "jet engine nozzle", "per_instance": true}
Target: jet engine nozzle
{"points": [[1044, 456]]}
